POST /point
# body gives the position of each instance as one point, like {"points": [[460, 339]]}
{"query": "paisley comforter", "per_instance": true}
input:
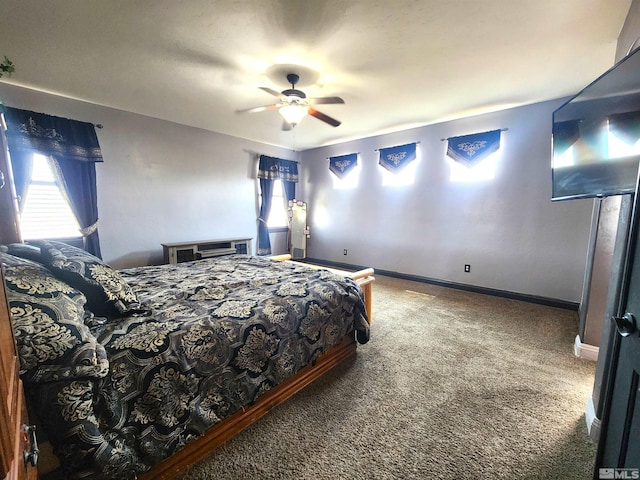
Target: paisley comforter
{"points": [[212, 336]]}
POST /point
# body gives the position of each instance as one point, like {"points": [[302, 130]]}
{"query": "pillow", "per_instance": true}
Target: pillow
{"points": [[33, 278], [23, 250], [48, 324], [107, 293]]}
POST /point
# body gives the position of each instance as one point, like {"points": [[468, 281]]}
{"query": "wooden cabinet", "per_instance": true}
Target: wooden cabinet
{"points": [[18, 447], [188, 251]]}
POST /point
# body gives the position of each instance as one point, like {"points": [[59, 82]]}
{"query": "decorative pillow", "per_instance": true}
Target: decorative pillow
{"points": [[24, 250], [48, 323], [107, 293]]}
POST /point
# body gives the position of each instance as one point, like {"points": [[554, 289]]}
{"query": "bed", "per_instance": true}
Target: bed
{"points": [[139, 373]]}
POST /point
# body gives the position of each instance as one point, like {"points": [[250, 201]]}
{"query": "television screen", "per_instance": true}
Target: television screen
{"points": [[596, 136]]}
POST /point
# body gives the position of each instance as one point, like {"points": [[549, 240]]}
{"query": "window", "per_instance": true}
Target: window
{"points": [[278, 215], [474, 157], [405, 176], [481, 171], [46, 212], [350, 181]]}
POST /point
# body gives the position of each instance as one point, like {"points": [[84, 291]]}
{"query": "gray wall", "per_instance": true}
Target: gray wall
{"points": [[507, 229], [165, 182], [161, 181]]}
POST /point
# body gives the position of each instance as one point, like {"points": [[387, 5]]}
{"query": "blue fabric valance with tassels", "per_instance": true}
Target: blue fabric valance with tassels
{"points": [[395, 158], [343, 164], [468, 149]]}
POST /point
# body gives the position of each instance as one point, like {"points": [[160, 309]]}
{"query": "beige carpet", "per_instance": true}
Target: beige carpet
{"points": [[452, 385]]}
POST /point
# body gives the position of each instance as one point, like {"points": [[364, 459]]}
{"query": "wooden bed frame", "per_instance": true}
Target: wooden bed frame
{"points": [[223, 431]]}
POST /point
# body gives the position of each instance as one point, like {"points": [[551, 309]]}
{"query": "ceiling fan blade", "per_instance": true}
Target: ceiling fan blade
{"points": [[271, 91], [326, 100], [258, 109], [325, 118]]}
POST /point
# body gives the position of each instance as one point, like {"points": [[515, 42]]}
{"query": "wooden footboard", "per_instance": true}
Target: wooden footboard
{"points": [[223, 431], [363, 277]]}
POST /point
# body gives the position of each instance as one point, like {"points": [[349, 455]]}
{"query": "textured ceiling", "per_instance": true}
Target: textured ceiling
{"points": [[396, 63]]}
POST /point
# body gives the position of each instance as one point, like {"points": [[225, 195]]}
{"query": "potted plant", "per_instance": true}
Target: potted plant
{"points": [[6, 67]]}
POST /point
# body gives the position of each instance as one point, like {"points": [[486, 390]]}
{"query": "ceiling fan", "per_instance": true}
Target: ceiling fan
{"points": [[294, 105]]}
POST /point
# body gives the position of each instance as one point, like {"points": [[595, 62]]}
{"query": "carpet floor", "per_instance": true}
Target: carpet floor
{"points": [[452, 385]]}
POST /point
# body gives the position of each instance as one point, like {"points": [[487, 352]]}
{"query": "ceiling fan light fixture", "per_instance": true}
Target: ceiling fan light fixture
{"points": [[294, 105], [293, 113]]}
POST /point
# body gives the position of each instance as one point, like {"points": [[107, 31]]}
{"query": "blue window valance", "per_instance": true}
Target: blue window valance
{"points": [[343, 164], [48, 135], [395, 158], [468, 149], [273, 168]]}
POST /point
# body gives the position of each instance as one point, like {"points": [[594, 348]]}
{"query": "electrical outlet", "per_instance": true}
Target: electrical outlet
{"points": [[344, 252], [467, 268]]}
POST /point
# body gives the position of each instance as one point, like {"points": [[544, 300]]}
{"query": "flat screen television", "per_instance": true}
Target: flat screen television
{"points": [[596, 136]]}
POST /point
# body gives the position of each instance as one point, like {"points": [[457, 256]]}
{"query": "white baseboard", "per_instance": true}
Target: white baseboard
{"points": [[584, 350], [593, 422]]}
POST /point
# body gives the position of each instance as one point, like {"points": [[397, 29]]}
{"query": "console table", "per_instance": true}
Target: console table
{"points": [[188, 251]]}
